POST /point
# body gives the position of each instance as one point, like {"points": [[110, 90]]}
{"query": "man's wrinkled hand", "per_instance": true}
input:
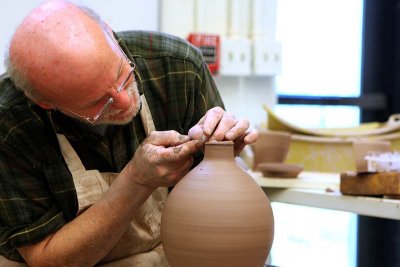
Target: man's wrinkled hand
{"points": [[163, 159], [220, 125]]}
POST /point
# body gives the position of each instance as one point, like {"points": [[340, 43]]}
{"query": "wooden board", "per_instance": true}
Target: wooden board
{"points": [[370, 184]]}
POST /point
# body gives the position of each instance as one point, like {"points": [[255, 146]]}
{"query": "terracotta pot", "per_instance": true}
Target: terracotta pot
{"points": [[362, 148], [279, 170], [271, 146], [217, 215]]}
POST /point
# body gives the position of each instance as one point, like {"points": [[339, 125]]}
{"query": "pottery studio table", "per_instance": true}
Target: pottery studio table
{"points": [[321, 190]]}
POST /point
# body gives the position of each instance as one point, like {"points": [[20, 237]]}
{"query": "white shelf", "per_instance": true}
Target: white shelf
{"points": [[305, 180], [311, 190]]}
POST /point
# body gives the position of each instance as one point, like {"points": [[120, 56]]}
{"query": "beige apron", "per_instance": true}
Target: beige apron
{"points": [[140, 245]]}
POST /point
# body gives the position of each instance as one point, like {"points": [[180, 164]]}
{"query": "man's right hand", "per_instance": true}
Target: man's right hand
{"points": [[163, 159]]}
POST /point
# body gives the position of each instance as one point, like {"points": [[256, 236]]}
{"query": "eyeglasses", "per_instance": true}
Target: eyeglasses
{"points": [[110, 100]]}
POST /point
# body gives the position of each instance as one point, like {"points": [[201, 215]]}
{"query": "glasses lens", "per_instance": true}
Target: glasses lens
{"points": [[111, 99]]}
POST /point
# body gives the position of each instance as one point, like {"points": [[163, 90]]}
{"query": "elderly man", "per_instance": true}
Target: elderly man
{"points": [[92, 129]]}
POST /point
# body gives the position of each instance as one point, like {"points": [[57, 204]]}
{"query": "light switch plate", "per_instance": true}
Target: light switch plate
{"points": [[266, 57], [235, 57]]}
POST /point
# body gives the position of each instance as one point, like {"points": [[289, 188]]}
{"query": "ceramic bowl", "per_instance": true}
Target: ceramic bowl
{"points": [[271, 146], [279, 170]]}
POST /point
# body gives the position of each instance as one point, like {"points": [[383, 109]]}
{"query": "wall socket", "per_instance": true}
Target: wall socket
{"points": [[266, 57], [235, 57]]}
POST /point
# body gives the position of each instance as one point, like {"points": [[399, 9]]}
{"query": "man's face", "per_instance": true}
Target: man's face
{"points": [[124, 107], [118, 105], [123, 116]]}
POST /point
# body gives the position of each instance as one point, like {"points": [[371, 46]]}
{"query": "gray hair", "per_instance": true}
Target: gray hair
{"points": [[19, 77], [18, 74]]}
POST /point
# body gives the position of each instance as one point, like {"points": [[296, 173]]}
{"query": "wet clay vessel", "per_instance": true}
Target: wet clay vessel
{"points": [[217, 215], [279, 170], [271, 146]]}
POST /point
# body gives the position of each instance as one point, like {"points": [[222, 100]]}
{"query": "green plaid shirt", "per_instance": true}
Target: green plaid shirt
{"points": [[37, 192]]}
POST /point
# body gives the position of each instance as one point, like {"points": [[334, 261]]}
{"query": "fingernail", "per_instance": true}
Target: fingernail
{"points": [[203, 138]]}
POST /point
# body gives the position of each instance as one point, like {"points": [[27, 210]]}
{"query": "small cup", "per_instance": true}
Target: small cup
{"points": [[362, 148], [271, 146]]}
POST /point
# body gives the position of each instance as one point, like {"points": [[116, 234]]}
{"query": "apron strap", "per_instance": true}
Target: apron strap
{"points": [[146, 117], [72, 159]]}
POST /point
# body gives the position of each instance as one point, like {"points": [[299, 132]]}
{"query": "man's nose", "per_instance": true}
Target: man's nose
{"points": [[121, 101]]}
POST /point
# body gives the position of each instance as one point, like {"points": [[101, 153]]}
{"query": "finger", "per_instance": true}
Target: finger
{"points": [[167, 138], [228, 121], [246, 138], [212, 119], [177, 153], [239, 144], [196, 132], [251, 137], [238, 130]]}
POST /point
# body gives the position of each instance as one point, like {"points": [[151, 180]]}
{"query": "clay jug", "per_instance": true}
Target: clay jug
{"points": [[217, 215]]}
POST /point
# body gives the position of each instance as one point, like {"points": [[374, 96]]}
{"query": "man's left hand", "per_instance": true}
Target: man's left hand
{"points": [[220, 125]]}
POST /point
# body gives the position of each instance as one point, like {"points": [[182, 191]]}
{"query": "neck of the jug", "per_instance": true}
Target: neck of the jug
{"points": [[219, 150]]}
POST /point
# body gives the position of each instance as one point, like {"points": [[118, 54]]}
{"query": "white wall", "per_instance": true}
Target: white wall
{"points": [[11, 14], [245, 96]]}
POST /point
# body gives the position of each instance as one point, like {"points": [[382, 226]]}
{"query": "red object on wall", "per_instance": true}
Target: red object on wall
{"points": [[209, 45]]}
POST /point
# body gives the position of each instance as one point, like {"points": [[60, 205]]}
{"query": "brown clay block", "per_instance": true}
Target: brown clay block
{"points": [[385, 183]]}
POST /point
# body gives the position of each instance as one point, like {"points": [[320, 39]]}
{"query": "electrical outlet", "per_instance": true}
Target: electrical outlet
{"points": [[267, 58], [235, 57]]}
